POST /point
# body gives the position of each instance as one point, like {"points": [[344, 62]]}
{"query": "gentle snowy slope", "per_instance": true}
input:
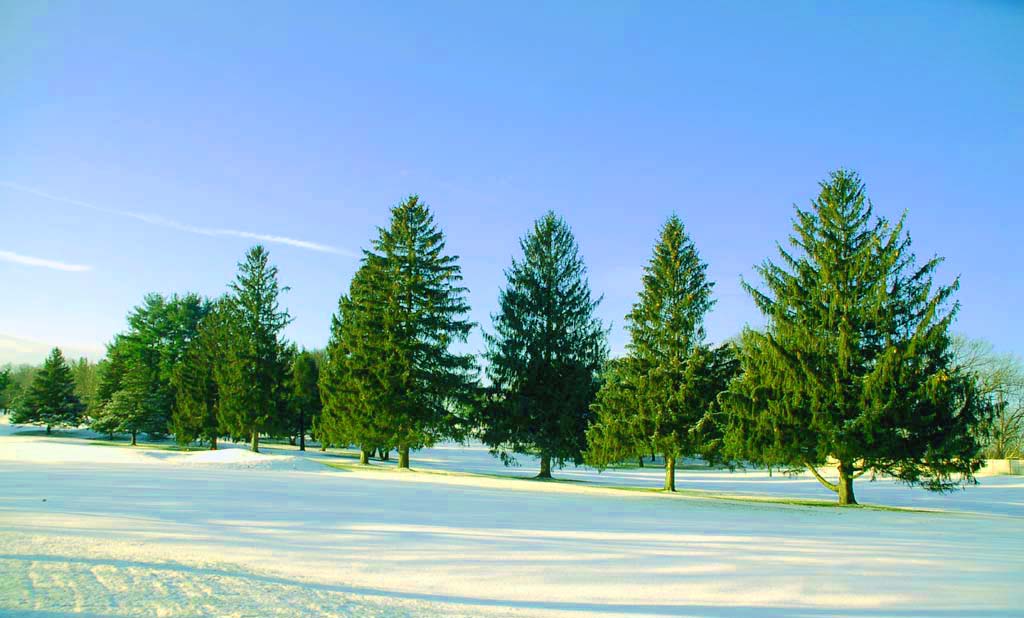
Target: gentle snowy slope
{"points": [[133, 532]]}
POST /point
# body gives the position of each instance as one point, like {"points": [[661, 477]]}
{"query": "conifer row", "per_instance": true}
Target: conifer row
{"points": [[854, 368]]}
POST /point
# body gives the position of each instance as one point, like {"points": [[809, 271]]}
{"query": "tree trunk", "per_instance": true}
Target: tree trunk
{"points": [[769, 472], [302, 431], [670, 473], [47, 430], [403, 456], [640, 461], [213, 443], [255, 441], [844, 488], [323, 446], [364, 457], [545, 467], [845, 485], [387, 455], [133, 437]]}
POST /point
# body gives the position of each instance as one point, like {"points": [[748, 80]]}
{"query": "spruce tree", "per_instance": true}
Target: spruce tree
{"points": [[50, 399], [195, 414], [159, 331], [854, 368], [391, 378], [306, 403], [351, 388], [252, 377], [138, 406], [662, 396], [544, 353]]}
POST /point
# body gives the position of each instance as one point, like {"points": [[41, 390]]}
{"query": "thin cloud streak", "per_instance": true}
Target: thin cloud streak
{"points": [[27, 260], [184, 227]]}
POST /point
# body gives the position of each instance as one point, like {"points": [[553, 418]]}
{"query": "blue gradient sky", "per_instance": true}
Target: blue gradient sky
{"points": [[137, 139]]}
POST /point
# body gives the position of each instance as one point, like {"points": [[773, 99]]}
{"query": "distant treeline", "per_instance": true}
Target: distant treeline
{"points": [[855, 369]]}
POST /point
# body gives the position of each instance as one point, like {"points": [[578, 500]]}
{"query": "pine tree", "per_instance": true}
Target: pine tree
{"points": [[85, 375], [544, 354], [855, 367], [391, 379], [137, 407], [50, 399], [661, 397], [195, 413], [306, 401], [351, 387], [159, 331], [253, 372]]}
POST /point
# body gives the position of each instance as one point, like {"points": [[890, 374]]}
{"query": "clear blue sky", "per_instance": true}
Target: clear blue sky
{"points": [[137, 138]]}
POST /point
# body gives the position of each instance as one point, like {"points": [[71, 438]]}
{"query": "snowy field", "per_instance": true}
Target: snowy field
{"points": [[94, 530]]}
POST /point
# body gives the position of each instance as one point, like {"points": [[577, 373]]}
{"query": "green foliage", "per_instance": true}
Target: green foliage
{"points": [[306, 402], [137, 407], [391, 379], [662, 396], [146, 354], [855, 366], [18, 381], [252, 375], [5, 385], [195, 411], [545, 352], [50, 400], [350, 388], [86, 376]]}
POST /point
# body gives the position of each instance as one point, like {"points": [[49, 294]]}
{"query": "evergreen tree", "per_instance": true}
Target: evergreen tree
{"points": [[662, 395], [391, 379], [855, 367], [195, 413], [351, 386], [85, 374], [50, 400], [5, 384], [159, 331], [252, 375], [137, 407], [544, 354], [305, 394]]}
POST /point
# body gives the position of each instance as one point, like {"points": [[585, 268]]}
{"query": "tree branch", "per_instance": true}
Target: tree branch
{"points": [[820, 478]]}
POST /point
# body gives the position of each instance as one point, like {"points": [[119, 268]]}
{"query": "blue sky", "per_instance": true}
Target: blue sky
{"points": [[144, 146]]}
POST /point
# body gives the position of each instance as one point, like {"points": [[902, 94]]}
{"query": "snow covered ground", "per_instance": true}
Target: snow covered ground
{"points": [[94, 530]]}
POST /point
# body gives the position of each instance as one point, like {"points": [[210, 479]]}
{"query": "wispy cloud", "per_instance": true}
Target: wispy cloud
{"points": [[184, 227], [27, 260]]}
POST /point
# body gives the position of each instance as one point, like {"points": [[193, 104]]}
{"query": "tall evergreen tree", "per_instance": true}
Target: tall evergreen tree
{"points": [[855, 367], [662, 395], [50, 399], [391, 378], [253, 373], [194, 380], [306, 403], [351, 385], [545, 352]]}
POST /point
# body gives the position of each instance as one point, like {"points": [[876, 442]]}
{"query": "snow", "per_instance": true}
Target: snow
{"points": [[96, 530], [239, 458]]}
